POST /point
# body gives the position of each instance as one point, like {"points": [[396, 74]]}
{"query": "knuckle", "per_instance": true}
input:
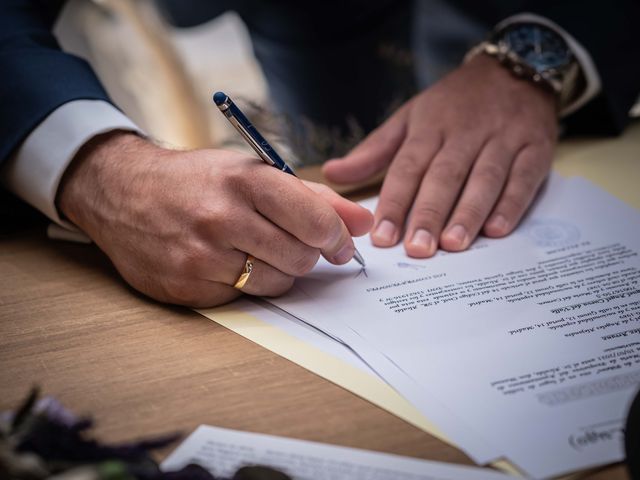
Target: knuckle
{"points": [[237, 174], [182, 265], [392, 206], [474, 212], [187, 261], [304, 263], [322, 189], [181, 291], [178, 263], [543, 141], [540, 140], [414, 143], [407, 166], [324, 227], [281, 287], [466, 143], [213, 216], [518, 136], [491, 173], [247, 183], [261, 242], [448, 173], [500, 142], [513, 204], [427, 213], [234, 181], [526, 177], [512, 142]]}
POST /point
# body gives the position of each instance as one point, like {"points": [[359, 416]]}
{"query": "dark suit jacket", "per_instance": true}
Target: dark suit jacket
{"points": [[37, 77]]}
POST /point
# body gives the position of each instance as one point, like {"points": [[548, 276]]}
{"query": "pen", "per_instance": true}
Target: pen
{"points": [[250, 133]]}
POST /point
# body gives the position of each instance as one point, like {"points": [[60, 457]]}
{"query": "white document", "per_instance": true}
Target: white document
{"points": [[455, 431], [223, 451], [533, 341], [302, 331]]}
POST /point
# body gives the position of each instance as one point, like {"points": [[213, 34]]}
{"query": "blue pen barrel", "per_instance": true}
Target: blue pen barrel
{"points": [[251, 134], [231, 111], [257, 136]]}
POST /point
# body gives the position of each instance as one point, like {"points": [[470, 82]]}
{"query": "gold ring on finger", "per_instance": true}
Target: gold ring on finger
{"points": [[246, 272]]}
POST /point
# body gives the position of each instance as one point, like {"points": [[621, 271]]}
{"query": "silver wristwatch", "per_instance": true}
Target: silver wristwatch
{"points": [[537, 53]]}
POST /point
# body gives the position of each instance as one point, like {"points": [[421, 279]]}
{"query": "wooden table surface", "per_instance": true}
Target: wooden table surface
{"points": [[69, 324]]}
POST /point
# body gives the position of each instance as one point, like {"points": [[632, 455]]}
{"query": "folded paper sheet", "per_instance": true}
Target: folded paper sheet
{"points": [[223, 451]]}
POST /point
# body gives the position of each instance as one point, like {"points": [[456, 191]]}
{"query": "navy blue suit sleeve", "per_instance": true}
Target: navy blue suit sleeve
{"points": [[37, 77], [608, 31]]}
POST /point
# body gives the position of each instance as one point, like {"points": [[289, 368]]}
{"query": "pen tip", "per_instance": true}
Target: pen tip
{"points": [[357, 256], [219, 98]]}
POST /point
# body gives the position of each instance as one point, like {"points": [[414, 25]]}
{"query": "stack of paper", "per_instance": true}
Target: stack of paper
{"points": [[525, 348]]}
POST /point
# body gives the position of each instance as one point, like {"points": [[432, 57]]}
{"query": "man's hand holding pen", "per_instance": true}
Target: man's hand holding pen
{"points": [[179, 225]]}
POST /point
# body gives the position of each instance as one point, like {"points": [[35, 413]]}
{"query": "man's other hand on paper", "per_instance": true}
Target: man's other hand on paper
{"points": [[179, 225], [464, 156]]}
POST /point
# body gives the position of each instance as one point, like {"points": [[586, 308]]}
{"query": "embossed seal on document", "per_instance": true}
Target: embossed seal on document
{"points": [[549, 232]]}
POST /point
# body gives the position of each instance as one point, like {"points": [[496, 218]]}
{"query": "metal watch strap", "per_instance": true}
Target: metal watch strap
{"points": [[561, 84]]}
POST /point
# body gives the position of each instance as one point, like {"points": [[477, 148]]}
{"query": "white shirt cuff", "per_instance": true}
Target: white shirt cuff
{"points": [[592, 78], [34, 172]]}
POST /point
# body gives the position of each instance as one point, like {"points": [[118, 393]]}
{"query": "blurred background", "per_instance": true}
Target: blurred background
{"points": [[163, 78]]}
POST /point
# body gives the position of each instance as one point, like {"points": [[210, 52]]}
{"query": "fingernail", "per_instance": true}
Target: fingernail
{"points": [[458, 234], [422, 239], [385, 232], [344, 254], [499, 223]]}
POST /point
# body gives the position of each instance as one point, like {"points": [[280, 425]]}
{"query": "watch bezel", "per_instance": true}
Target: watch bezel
{"points": [[519, 67], [533, 43], [552, 78], [566, 83]]}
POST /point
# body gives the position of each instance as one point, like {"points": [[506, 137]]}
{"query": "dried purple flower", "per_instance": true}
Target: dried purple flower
{"points": [[42, 438]]}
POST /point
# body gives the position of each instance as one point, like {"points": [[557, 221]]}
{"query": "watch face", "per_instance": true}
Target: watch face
{"points": [[538, 46]]}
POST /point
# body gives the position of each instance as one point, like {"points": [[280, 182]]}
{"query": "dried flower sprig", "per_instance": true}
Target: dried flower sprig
{"points": [[43, 440]]}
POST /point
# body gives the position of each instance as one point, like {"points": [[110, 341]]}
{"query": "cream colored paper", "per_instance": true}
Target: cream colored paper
{"points": [[307, 356]]}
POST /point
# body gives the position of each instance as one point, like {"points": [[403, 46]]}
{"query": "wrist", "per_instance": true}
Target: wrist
{"points": [[539, 53], [490, 69], [91, 173]]}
